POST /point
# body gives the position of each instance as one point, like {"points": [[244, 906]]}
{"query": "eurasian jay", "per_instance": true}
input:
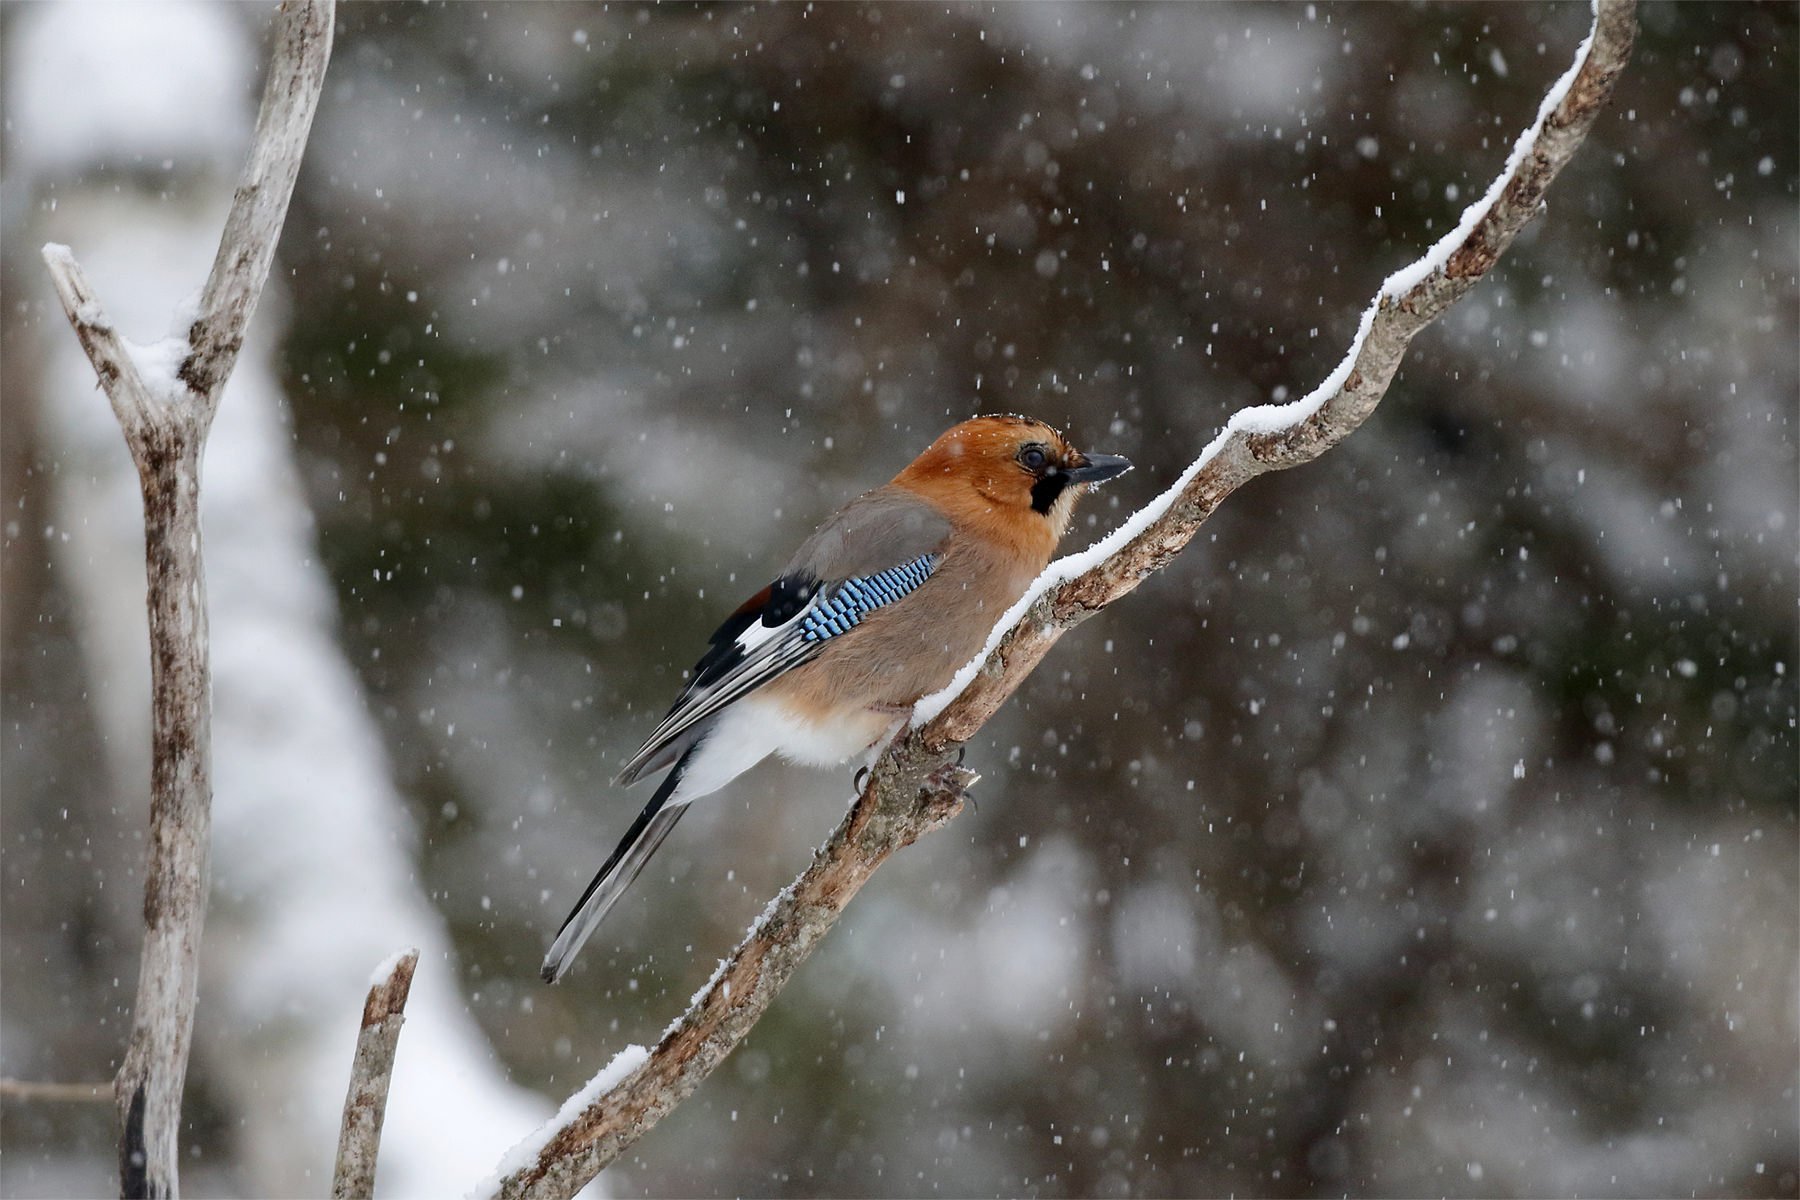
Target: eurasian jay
{"points": [[880, 606]]}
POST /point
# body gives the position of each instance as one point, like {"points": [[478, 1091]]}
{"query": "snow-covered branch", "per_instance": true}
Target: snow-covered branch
{"points": [[164, 396], [1271, 437], [371, 1070], [910, 791]]}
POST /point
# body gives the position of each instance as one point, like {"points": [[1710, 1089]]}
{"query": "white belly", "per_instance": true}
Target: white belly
{"points": [[755, 727]]}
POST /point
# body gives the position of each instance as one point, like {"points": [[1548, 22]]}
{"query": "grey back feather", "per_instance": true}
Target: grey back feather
{"points": [[875, 531]]}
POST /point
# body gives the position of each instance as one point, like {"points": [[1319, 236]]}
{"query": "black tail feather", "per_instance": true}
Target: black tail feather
{"points": [[609, 883]]}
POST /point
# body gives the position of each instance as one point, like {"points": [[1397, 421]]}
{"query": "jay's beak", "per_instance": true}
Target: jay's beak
{"points": [[1097, 468]]}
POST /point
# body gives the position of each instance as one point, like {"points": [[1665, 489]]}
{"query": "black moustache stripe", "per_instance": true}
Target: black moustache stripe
{"points": [[1045, 491]]}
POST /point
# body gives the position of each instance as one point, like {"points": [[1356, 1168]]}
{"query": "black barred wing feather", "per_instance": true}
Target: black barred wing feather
{"points": [[840, 609], [786, 624]]}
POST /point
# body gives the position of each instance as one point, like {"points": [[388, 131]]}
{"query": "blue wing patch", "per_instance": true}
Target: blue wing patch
{"points": [[860, 595], [747, 651]]}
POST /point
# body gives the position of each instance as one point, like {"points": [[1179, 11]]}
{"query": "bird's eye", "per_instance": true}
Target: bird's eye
{"points": [[1033, 458]]}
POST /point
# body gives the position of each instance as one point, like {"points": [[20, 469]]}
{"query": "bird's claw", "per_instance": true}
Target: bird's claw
{"points": [[946, 788]]}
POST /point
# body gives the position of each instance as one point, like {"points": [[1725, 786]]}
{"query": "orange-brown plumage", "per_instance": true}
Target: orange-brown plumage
{"points": [[973, 474]]}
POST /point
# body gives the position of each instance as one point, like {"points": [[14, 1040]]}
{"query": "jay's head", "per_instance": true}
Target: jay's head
{"points": [[1010, 467]]}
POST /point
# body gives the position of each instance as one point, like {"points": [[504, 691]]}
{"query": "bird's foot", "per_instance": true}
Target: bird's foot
{"points": [[945, 790]]}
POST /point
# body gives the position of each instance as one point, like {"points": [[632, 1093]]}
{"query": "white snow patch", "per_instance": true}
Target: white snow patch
{"points": [[1155, 933], [386, 968], [157, 365], [88, 312], [525, 1153], [94, 84]]}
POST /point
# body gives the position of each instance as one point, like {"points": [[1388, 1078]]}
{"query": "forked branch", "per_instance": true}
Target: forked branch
{"points": [[909, 793], [165, 403]]}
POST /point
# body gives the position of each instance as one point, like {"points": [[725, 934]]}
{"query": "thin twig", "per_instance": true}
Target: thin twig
{"points": [[31, 1089], [903, 798], [259, 206], [371, 1071], [131, 399], [165, 421]]}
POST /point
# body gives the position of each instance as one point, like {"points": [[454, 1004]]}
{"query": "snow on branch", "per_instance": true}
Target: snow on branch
{"points": [[910, 791], [164, 397], [371, 1071], [1271, 437]]}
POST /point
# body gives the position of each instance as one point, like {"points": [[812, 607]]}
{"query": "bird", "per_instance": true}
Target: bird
{"points": [[882, 605]]}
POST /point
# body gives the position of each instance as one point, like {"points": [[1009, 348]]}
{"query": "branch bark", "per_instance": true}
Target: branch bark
{"points": [[910, 792], [164, 398], [371, 1071]]}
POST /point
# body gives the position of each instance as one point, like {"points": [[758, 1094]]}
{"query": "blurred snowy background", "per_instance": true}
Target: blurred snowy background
{"points": [[1428, 828]]}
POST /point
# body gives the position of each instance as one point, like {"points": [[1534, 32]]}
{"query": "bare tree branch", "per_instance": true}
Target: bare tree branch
{"points": [[259, 206], [371, 1071], [909, 792], [165, 404], [29, 1089], [130, 397]]}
